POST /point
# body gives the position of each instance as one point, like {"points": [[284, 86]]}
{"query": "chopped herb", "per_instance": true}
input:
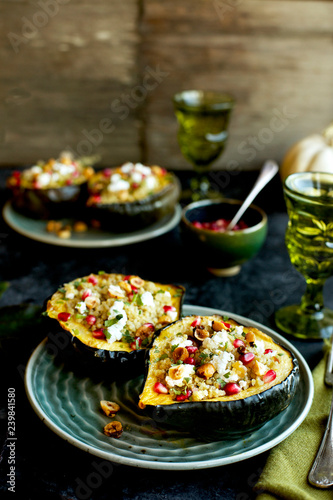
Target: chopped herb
{"points": [[227, 375], [44, 313], [160, 291], [187, 379], [128, 337], [80, 316], [75, 332], [101, 272], [174, 346], [61, 290], [113, 321], [164, 356], [77, 283], [225, 318], [179, 362], [281, 354]]}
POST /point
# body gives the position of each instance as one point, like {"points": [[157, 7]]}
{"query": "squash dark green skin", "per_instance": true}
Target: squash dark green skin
{"points": [[123, 217], [52, 203], [225, 420]]}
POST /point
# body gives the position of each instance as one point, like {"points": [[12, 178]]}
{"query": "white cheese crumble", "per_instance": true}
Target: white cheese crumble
{"points": [[238, 330], [116, 289], [260, 346], [221, 361], [115, 331], [172, 315], [147, 299], [181, 341], [81, 307], [119, 185], [44, 179], [69, 295], [214, 342]]}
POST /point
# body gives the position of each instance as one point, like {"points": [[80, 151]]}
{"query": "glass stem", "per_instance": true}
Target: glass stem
{"points": [[312, 301]]}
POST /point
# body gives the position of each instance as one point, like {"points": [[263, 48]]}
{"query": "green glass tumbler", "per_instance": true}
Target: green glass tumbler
{"points": [[309, 241], [203, 117]]}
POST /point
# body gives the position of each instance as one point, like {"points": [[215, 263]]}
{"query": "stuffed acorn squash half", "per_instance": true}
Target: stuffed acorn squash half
{"points": [[215, 378], [131, 196], [53, 189], [111, 318]]}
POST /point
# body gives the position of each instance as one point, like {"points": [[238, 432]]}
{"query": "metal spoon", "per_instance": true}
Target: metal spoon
{"points": [[267, 172]]}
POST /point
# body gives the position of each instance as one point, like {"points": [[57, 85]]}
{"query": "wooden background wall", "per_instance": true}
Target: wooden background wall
{"points": [[98, 76]]}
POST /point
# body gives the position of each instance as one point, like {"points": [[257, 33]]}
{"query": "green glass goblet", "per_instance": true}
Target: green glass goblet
{"points": [[203, 118], [309, 240]]}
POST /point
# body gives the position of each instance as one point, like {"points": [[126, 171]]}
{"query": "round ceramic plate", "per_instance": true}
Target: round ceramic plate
{"points": [[69, 405], [93, 238]]}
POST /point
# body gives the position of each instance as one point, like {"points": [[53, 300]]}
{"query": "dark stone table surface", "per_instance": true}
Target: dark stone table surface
{"points": [[48, 467]]}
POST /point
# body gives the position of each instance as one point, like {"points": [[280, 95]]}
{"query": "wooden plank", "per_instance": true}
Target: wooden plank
{"points": [[286, 77]]}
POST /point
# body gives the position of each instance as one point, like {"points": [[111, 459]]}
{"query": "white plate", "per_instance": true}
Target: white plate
{"points": [[93, 238], [69, 405]]}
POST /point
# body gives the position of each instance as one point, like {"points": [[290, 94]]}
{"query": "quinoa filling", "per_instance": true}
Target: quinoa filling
{"points": [[113, 308], [210, 357], [54, 173], [127, 183]]}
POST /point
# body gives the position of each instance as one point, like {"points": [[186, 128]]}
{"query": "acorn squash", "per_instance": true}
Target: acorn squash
{"points": [[51, 190], [131, 196], [110, 320], [215, 378], [311, 154]]}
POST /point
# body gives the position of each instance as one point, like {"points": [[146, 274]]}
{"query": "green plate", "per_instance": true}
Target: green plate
{"points": [[69, 405], [93, 238]]}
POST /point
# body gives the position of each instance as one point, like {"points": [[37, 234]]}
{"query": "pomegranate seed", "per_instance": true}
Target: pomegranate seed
{"points": [[189, 361], [135, 185], [169, 308], [127, 277], [227, 325], [86, 293], [68, 182], [269, 376], [90, 319], [231, 388], [246, 358], [267, 351], [182, 397], [197, 224], [238, 343], [134, 289], [149, 325], [107, 172], [93, 280], [96, 198], [136, 344], [64, 316], [191, 349], [16, 174], [99, 334], [196, 322], [160, 388]]}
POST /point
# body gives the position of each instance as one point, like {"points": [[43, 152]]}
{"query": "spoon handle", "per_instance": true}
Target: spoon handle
{"points": [[267, 172]]}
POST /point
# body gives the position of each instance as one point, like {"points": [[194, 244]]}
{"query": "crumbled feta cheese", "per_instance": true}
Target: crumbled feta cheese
{"points": [[81, 307], [63, 169], [238, 330], [221, 361], [147, 299], [116, 290], [260, 346], [44, 179], [136, 177], [150, 182], [69, 295], [181, 341], [115, 331], [214, 342], [172, 315], [142, 169], [35, 169], [167, 294], [127, 167]]}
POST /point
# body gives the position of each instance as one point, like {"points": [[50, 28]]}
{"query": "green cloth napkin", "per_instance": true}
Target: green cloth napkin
{"points": [[287, 467]]}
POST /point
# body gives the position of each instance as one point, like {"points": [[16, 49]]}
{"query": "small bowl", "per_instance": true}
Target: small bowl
{"points": [[223, 253]]}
